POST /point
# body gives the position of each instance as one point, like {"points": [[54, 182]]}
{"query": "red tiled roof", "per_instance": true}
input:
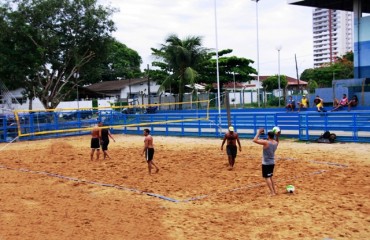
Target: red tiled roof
{"points": [[237, 85], [291, 81], [231, 85]]}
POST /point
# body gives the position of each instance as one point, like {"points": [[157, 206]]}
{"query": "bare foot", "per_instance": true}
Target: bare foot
{"points": [[156, 171]]}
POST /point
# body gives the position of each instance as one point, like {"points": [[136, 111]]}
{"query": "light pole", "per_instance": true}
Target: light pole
{"points": [[129, 87], [234, 90], [258, 57], [278, 48], [217, 67], [76, 75], [148, 85]]}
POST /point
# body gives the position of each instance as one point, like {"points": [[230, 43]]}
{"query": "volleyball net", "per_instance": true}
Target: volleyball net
{"points": [[72, 121]]}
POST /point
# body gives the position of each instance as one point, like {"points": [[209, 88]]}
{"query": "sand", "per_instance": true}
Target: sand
{"points": [[49, 189]]}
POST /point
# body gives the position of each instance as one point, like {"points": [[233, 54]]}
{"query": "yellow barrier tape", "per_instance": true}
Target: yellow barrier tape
{"points": [[111, 126]]}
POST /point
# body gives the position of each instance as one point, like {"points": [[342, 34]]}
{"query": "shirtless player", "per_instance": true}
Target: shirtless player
{"points": [[231, 148], [95, 141], [149, 150]]}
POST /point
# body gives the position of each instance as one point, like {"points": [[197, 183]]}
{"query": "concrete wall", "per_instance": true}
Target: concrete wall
{"points": [[362, 48]]}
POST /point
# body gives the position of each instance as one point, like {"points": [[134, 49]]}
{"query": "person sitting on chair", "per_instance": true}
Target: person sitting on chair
{"points": [[291, 104], [353, 102], [339, 104], [151, 109], [303, 103], [319, 103]]}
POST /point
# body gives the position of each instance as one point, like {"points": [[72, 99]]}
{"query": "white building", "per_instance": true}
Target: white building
{"points": [[332, 34], [110, 91]]}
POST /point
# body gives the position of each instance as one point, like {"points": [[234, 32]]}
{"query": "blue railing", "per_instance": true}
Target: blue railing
{"points": [[351, 126]]}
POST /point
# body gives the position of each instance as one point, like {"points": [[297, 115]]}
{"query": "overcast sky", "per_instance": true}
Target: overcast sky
{"points": [[143, 24]]}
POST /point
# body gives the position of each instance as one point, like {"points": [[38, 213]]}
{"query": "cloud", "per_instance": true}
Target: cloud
{"points": [[143, 24]]}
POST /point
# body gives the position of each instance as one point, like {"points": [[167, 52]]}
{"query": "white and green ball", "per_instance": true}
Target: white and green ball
{"points": [[290, 189], [276, 129]]}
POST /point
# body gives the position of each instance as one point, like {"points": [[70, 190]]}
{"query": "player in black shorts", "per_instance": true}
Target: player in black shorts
{"points": [[231, 149], [95, 142], [105, 135], [268, 156], [149, 151]]}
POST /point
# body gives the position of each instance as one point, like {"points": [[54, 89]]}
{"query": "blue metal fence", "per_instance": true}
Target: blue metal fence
{"points": [[351, 126]]}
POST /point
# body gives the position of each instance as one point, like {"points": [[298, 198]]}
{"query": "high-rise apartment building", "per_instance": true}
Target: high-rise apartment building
{"points": [[332, 35]]}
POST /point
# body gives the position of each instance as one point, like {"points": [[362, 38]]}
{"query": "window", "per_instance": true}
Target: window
{"points": [[19, 100]]}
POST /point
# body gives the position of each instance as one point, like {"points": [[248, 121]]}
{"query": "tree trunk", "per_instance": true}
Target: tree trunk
{"points": [[30, 103], [181, 92]]}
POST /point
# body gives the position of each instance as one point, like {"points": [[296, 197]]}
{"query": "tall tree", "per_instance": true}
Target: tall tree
{"points": [[342, 68], [271, 83], [50, 44], [180, 57], [229, 66], [205, 68], [122, 62]]}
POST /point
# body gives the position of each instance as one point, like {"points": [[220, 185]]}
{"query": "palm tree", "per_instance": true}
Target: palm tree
{"points": [[180, 57]]}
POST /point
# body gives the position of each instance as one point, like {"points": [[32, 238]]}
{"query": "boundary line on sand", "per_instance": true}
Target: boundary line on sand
{"points": [[249, 186]]}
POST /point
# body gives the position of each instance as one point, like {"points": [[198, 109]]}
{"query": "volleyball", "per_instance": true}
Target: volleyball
{"points": [[290, 189], [276, 130]]}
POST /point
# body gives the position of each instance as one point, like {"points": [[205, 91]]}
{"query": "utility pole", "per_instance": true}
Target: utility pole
{"points": [[148, 86], [296, 67], [258, 57], [278, 48]]}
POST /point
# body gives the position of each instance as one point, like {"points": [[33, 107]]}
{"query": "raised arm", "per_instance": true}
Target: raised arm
{"points": [[277, 135], [257, 140]]}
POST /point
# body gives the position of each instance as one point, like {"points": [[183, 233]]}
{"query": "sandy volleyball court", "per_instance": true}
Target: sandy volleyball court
{"points": [[49, 189]]}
